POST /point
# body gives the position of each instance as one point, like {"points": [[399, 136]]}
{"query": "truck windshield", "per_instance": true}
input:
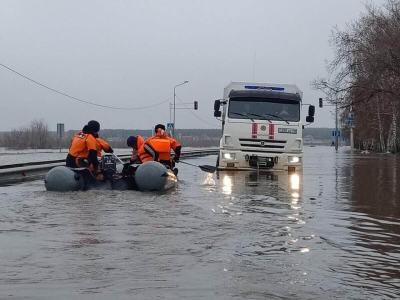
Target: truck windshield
{"points": [[264, 109]]}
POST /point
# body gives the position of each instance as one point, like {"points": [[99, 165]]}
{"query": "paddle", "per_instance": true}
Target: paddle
{"points": [[205, 168]]}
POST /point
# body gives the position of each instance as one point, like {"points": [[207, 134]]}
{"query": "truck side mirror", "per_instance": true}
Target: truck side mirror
{"points": [[321, 102], [217, 104], [309, 119], [217, 113], [311, 110]]}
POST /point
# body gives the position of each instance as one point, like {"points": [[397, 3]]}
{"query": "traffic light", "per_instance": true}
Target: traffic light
{"points": [[321, 103], [196, 105]]}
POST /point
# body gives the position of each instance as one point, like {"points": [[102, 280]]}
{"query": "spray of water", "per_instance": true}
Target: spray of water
{"points": [[208, 179]]}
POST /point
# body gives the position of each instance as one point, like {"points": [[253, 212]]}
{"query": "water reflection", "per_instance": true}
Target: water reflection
{"points": [[227, 185], [273, 195], [271, 183], [295, 181], [363, 221]]}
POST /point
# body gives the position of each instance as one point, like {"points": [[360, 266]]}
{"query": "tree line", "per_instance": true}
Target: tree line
{"points": [[34, 136], [38, 136], [364, 76]]}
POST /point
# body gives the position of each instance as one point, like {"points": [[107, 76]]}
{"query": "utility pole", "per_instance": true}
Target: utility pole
{"points": [[352, 139], [170, 119], [351, 130], [336, 135]]}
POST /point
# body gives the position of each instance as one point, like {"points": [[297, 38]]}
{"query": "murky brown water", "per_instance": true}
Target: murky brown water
{"points": [[332, 232]]}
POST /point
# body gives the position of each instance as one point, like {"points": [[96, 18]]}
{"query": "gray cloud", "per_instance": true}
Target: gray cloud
{"points": [[132, 54]]}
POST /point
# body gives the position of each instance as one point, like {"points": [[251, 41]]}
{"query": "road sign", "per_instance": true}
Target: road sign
{"points": [[335, 133], [350, 120], [60, 130], [170, 126]]}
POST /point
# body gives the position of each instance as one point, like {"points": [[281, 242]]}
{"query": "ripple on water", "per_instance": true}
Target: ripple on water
{"points": [[329, 232]]}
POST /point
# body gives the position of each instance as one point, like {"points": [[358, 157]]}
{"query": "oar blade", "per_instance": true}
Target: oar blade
{"points": [[208, 169]]}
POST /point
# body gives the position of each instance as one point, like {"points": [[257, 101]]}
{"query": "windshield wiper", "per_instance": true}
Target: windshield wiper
{"points": [[275, 116], [261, 117], [243, 115]]}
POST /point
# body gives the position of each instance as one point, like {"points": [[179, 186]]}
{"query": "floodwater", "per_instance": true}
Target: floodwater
{"points": [[330, 232]]}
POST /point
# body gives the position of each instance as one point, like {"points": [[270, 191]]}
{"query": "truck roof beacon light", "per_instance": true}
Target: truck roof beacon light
{"points": [[257, 87]]}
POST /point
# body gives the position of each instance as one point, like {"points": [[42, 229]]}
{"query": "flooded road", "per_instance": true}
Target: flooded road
{"points": [[330, 232]]}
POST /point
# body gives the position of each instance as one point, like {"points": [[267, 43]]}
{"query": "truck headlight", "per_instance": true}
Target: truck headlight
{"points": [[229, 155], [294, 159]]}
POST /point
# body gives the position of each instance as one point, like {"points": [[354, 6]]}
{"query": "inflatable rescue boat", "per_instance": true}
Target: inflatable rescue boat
{"points": [[149, 176]]}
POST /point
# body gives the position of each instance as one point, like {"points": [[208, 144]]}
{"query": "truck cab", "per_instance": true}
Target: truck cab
{"points": [[261, 127]]}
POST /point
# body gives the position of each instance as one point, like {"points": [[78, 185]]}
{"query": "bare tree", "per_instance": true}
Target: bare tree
{"points": [[36, 136], [365, 74], [39, 132]]}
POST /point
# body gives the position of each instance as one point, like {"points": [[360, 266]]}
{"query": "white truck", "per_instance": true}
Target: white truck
{"points": [[261, 126]]}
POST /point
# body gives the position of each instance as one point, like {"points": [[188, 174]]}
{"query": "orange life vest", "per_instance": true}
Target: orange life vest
{"points": [[78, 154], [162, 146], [101, 145], [141, 151], [81, 143]]}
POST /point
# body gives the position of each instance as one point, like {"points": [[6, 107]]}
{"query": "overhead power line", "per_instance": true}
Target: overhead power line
{"points": [[80, 100], [196, 114]]}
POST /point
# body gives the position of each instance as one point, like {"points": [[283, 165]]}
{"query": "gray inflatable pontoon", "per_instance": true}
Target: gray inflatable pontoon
{"points": [[150, 176]]}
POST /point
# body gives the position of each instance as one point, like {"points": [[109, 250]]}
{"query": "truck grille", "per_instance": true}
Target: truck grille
{"points": [[263, 145]]}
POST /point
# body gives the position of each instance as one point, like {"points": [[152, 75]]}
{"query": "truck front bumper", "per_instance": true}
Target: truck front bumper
{"points": [[242, 160]]}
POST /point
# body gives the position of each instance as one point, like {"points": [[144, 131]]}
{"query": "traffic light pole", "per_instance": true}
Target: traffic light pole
{"points": [[174, 108], [336, 124]]}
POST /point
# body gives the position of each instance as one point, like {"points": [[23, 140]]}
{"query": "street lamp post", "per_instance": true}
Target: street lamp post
{"points": [[173, 128]]}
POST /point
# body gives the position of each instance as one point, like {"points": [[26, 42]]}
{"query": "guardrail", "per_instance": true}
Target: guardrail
{"points": [[31, 170]]}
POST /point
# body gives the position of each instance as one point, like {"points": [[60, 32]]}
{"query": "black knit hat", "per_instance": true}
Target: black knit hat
{"points": [[93, 126], [159, 126], [132, 141]]}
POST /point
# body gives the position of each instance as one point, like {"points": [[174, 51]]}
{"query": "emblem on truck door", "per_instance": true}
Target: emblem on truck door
{"points": [[263, 128]]}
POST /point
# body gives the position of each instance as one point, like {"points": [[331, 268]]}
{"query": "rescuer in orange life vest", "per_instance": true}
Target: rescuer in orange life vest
{"points": [[136, 142], [158, 148], [85, 146]]}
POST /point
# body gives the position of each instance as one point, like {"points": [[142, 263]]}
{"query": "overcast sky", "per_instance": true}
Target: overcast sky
{"points": [[133, 53]]}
